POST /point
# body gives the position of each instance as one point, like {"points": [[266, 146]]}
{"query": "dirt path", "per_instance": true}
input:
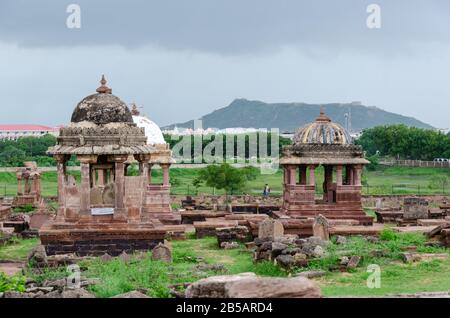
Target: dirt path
{"points": [[10, 269]]}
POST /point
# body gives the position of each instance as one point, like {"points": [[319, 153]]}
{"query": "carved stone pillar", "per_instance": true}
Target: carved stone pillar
{"points": [[312, 175], [61, 172], [144, 168], [101, 177], [27, 185], [357, 175], [165, 168], [292, 175], [85, 189], [339, 175], [119, 212]]}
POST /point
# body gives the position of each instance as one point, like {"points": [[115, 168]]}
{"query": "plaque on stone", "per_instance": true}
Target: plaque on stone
{"points": [[102, 211]]}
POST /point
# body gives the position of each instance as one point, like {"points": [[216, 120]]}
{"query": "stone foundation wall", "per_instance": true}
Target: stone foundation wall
{"points": [[397, 200], [99, 247]]}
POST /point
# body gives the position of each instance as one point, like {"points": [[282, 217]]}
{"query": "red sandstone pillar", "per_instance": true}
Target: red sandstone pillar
{"points": [[85, 199], [101, 177], [119, 181], [339, 175], [285, 175], [93, 178], [165, 168], [312, 176], [27, 185], [61, 172], [292, 175], [357, 175]]}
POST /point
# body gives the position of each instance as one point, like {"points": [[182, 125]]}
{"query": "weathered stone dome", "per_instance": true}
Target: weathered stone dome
{"points": [[102, 108], [322, 131]]}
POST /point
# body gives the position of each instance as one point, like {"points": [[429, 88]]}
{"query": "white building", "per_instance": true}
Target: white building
{"points": [[13, 132]]}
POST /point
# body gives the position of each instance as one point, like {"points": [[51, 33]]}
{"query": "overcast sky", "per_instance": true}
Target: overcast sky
{"points": [[181, 59]]}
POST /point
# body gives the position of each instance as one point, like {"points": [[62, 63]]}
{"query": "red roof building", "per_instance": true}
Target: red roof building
{"points": [[13, 132]]}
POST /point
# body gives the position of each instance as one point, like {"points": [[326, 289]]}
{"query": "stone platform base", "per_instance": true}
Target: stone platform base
{"points": [[99, 240]]}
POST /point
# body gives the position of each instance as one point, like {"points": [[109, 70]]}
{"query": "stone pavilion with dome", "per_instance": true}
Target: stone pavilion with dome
{"points": [[110, 211], [326, 144]]}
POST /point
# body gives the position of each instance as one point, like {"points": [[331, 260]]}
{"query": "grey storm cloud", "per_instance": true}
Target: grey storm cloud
{"points": [[226, 26]]}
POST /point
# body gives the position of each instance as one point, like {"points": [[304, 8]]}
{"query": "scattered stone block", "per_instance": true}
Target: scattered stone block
{"points": [[106, 257], [132, 294], [229, 245], [162, 253], [284, 261], [270, 228], [311, 274], [340, 240], [321, 227], [125, 257], [248, 285], [38, 257], [353, 262], [233, 234]]}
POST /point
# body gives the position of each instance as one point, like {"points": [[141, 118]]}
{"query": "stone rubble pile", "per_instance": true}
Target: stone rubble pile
{"points": [[289, 251]]}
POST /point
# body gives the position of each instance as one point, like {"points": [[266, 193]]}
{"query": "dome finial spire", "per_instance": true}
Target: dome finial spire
{"points": [[323, 117], [103, 89], [134, 109]]}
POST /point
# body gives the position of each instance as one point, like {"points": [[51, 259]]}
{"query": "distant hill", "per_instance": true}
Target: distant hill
{"points": [[289, 116]]}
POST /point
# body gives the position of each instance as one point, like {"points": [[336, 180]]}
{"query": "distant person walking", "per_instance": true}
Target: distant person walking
{"points": [[266, 191]]}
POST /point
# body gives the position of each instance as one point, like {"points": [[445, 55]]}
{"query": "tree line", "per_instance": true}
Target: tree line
{"points": [[398, 141], [402, 142]]}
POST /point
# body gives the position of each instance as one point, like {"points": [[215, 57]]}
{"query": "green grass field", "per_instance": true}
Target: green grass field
{"points": [[191, 258], [392, 180]]}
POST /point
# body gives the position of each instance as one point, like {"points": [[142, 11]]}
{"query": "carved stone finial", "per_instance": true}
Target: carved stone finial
{"points": [[103, 89], [134, 109], [323, 117]]}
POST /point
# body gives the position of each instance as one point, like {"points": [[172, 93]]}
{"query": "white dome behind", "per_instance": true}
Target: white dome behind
{"points": [[152, 131]]}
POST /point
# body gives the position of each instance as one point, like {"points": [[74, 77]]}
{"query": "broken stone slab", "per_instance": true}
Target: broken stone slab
{"points": [[124, 257], [321, 227], [409, 257], [277, 248], [131, 294], [344, 260], [311, 274], [38, 256], [229, 245], [162, 252], [353, 262], [285, 261], [248, 285], [444, 294], [270, 228], [340, 240], [69, 293]]}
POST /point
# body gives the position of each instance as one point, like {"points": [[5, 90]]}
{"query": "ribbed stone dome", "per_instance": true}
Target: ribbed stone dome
{"points": [[102, 108], [322, 131]]}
